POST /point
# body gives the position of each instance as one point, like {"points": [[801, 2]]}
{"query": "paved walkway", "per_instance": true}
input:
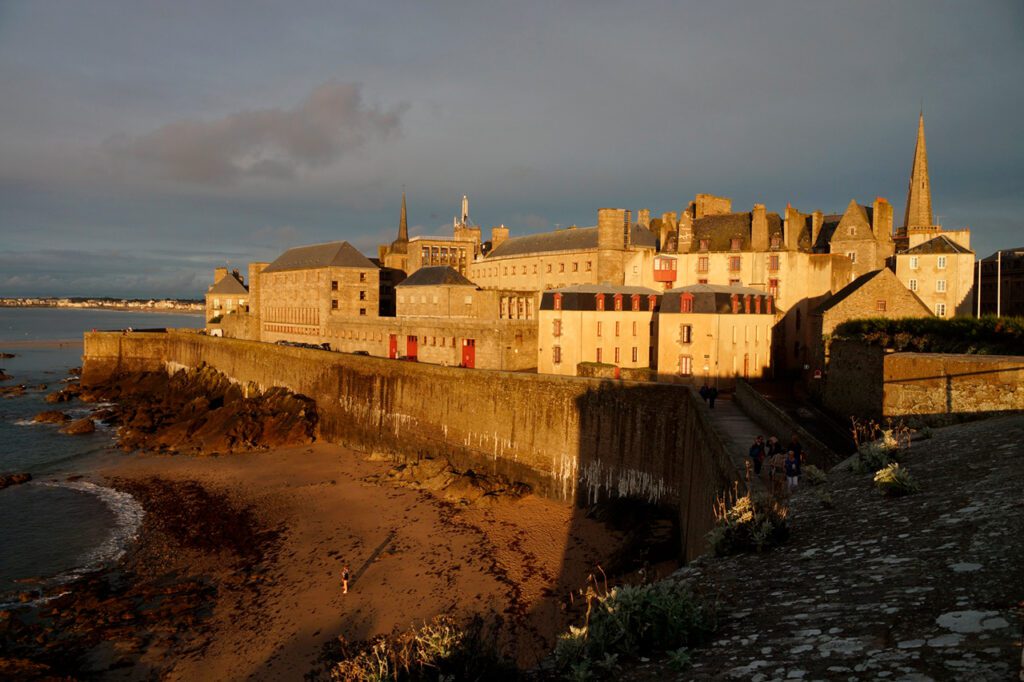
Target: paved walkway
{"points": [[737, 432]]}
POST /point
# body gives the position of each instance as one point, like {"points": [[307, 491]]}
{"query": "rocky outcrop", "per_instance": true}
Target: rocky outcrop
{"points": [[4, 376], [68, 393], [51, 417], [80, 427], [7, 480], [439, 477], [7, 355], [202, 412], [12, 391]]}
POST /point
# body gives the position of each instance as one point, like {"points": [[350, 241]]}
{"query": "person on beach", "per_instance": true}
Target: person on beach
{"points": [[345, 576]]}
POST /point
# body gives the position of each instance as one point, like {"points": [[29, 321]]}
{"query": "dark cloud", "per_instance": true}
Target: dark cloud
{"points": [[268, 143]]}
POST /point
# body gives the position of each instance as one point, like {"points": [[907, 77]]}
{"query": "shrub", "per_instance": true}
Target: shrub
{"points": [[895, 481], [989, 335], [750, 524], [812, 475], [876, 454], [630, 621]]}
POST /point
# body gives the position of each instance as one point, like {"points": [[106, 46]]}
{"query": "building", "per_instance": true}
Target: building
{"points": [[228, 295], [603, 324], [406, 256], [1002, 281], [874, 294], [941, 272], [714, 333]]}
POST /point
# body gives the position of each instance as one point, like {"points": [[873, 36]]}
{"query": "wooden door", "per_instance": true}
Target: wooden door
{"points": [[393, 346], [469, 353], [411, 347]]}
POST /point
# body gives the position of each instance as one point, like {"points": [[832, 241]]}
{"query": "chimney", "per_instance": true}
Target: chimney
{"points": [[817, 220], [254, 287], [498, 235], [709, 204], [643, 217], [792, 227], [237, 275], [669, 225], [613, 228], [219, 274], [685, 239], [881, 224], [758, 229]]}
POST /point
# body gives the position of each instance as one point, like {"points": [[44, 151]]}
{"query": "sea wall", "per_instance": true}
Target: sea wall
{"points": [[761, 410], [922, 388], [570, 438]]}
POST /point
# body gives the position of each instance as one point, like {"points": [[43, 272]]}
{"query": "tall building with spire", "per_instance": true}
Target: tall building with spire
{"points": [[407, 255]]}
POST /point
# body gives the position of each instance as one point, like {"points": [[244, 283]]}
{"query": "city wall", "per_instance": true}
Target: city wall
{"points": [[923, 388], [572, 439]]}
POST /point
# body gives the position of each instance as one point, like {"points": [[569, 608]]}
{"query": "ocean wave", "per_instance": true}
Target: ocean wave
{"points": [[128, 515], [25, 422]]}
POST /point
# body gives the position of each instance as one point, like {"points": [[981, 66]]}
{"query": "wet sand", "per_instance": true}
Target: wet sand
{"points": [[412, 556]]}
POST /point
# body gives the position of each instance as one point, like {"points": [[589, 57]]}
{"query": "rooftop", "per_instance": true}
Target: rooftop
{"points": [[434, 276], [331, 254]]}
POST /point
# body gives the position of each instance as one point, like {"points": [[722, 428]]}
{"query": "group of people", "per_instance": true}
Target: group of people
{"points": [[709, 394], [781, 461]]}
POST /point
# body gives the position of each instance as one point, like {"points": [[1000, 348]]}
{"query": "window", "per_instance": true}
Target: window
{"points": [[734, 263], [773, 263], [599, 355], [685, 333], [940, 309], [558, 301], [913, 262], [599, 328], [686, 303], [634, 302], [618, 301], [561, 267], [852, 255], [634, 327], [773, 287], [616, 328], [702, 264], [556, 328], [334, 304], [334, 285], [940, 285], [702, 281], [617, 356], [362, 295], [575, 267], [468, 300], [942, 262], [362, 276], [362, 311], [704, 244], [556, 355], [880, 306], [734, 282], [635, 354], [549, 267], [685, 365], [913, 285], [776, 242], [600, 301], [851, 231], [735, 243], [589, 266]]}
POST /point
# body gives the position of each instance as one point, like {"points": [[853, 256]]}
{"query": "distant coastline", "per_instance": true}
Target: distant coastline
{"points": [[136, 305]]}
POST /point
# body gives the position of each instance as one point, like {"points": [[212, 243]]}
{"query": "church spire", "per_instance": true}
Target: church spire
{"points": [[403, 222], [919, 193]]}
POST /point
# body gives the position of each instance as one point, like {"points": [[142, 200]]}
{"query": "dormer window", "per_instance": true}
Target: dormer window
{"points": [[686, 303], [558, 301], [635, 302], [776, 241], [704, 244], [735, 243], [600, 301], [618, 301], [852, 230]]}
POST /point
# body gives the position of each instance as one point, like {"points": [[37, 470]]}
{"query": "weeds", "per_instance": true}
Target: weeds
{"points": [[877, 447], [895, 481], [750, 524], [814, 476]]}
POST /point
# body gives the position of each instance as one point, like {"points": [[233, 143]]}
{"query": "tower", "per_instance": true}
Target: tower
{"points": [[919, 194], [403, 223]]}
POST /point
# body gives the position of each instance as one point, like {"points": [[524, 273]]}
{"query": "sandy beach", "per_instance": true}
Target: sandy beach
{"points": [[412, 556]]}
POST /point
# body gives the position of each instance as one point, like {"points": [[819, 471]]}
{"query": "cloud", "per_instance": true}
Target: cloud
{"points": [[261, 143]]}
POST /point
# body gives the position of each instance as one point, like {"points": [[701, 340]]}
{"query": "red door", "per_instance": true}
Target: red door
{"points": [[393, 346], [469, 353], [410, 347]]}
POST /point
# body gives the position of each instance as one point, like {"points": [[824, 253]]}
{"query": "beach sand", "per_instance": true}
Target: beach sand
{"points": [[412, 556]]}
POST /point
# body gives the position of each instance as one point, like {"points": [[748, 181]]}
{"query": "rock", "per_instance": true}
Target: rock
{"points": [[41, 387], [4, 376], [12, 391], [51, 417], [59, 397], [80, 427], [7, 480], [7, 355]]}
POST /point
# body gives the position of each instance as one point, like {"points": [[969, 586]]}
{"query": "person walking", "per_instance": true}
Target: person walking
{"points": [[712, 394], [757, 454], [792, 472], [705, 391], [345, 577]]}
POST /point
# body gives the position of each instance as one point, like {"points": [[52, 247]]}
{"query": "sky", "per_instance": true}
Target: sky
{"points": [[144, 143]]}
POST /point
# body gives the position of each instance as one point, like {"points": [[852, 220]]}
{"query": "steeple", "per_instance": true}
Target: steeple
{"points": [[403, 223], [919, 193]]}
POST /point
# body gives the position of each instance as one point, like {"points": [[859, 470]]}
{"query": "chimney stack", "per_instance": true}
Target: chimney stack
{"points": [[685, 230], [817, 220], [792, 227], [758, 229], [613, 228], [498, 235], [219, 274], [881, 223], [643, 217]]}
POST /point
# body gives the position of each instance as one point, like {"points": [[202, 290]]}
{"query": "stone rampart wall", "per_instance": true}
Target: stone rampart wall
{"points": [[780, 424], [570, 438]]}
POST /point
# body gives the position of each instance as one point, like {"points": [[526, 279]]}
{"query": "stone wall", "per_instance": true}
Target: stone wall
{"points": [[572, 439], [778, 423], [853, 385]]}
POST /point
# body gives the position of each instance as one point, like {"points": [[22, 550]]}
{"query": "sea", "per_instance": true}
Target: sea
{"points": [[64, 522]]}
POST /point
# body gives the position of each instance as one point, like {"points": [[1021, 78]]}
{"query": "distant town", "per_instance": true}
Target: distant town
{"points": [[184, 305]]}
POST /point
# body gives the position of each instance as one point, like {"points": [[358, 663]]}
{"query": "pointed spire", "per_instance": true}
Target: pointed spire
{"points": [[919, 193], [403, 222]]}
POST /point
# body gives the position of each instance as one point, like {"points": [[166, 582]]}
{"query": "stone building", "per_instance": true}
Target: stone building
{"points": [[715, 333], [407, 255], [1002, 280], [307, 289], [228, 295], [941, 272], [587, 323], [873, 294]]}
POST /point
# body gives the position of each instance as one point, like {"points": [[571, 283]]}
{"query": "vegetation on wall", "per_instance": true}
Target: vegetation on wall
{"points": [[985, 336]]}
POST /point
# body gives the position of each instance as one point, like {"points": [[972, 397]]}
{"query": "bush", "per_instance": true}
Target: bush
{"points": [[812, 475], [631, 621], [751, 524], [895, 481], [989, 335], [876, 454]]}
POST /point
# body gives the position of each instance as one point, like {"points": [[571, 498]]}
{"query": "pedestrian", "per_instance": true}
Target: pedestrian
{"points": [[705, 391], [712, 394], [798, 450], [792, 472], [345, 576], [757, 454]]}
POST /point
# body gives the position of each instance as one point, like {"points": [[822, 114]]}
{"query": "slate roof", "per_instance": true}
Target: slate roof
{"points": [[708, 298], [331, 254], [859, 283], [434, 276], [583, 297], [829, 224], [228, 285], [940, 244], [720, 230], [572, 239], [605, 289]]}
